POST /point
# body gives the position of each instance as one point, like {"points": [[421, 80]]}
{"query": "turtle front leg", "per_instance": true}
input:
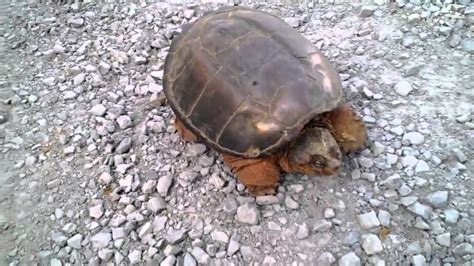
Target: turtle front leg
{"points": [[183, 132], [348, 128], [260, 176]]}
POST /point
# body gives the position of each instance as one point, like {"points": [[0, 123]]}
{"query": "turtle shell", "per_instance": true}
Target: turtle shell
{"points": [[245, 82]]}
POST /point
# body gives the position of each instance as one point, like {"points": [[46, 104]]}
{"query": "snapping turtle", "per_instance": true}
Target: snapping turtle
{"points": [[248, 85]]}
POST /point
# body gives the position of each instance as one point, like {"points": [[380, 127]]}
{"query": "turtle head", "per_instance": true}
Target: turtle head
{"points": [[314, 152]]}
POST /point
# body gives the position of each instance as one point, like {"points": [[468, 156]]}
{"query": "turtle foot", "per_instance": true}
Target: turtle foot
{"points": [[260, 176], [348, 128], [257, 191], [183, 132]]}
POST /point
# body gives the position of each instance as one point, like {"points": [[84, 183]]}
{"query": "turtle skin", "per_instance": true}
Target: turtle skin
{"points": [[248, 85]]}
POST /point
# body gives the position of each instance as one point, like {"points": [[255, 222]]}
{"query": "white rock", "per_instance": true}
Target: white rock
{"points": [[451, 216], [421, 166], [200, 255], [101, 240], [146, 229], [438, 199], [169, 261], [164, 184], [424, 211], [384, 218], [75, 241], [444, 239], [156, 204], [135, 256], [329, 213], [233, 247], [414, 138], [326, 258], [105, 178], [124, 121], [98, 110], [293, 22], [349, 259], [368, 220], [403, 88], [248, 214], [290, 203], [303, 231], [220, 236], [189, 260], [418, 260], [371, 244], [148, 186], [96, 211]]}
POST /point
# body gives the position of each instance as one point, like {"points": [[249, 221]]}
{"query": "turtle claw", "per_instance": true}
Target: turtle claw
{"points": [[261, 190]]}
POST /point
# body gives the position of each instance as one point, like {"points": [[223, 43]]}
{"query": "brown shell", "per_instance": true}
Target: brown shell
{"points": [[245, 82]]}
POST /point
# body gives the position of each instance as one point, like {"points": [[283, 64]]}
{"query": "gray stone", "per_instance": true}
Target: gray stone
{"points": [[460, 156], [351, 238], [414, 18], [124, 146], [366, 11], [455, 40], [267, 200], [322, 226], [274, 226]]}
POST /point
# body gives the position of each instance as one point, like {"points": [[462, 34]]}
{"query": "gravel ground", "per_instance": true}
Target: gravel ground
{"points": [[92, 171]]}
